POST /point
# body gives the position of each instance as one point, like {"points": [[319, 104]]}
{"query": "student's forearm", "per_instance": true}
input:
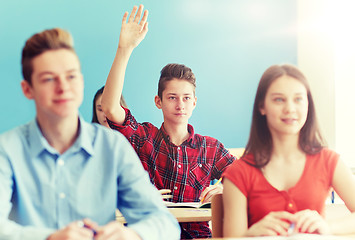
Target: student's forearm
{"points": [[114, 86], [13, 231]]}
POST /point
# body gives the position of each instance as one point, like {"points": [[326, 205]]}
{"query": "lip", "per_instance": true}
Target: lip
{"points": [[61, 101], [289, 120], [180, 114]]}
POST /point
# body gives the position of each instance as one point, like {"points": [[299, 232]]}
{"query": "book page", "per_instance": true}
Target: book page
{"points": [[187, 205]]}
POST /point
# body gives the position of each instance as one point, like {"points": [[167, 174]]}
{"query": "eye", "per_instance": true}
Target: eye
{"points": [[71, 76], [299, 99], [48, 79], [278, 99], [187, 98], [172, 98]]}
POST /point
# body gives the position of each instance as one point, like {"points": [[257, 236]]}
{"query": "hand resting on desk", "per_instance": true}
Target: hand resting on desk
{"points": [[206, 195], [112, 230], [279, 223]]}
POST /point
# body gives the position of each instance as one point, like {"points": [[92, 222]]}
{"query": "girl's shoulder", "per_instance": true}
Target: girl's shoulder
{"points": [[245, 163], [325, 154], [325, 158]]}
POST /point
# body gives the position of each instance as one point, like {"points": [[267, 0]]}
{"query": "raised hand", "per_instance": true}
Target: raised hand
{"points": [[133, 31], [273, 224], [309, 221]]}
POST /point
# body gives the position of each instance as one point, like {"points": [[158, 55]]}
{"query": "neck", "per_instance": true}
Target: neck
{"points": [[286, 147], [177, 133], [60, 134]]}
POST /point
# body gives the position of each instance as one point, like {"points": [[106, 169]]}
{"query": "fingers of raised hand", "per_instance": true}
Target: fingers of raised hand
{"points": [[139, 14], [144, 18], [135, 15], [131, 16]]}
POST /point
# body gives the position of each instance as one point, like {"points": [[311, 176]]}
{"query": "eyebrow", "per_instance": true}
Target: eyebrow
{"points": [[299, 93], [51, 73], [185, 94]]}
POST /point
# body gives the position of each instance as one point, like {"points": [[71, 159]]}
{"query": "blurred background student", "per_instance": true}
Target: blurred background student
{"points": [[98, 116]]}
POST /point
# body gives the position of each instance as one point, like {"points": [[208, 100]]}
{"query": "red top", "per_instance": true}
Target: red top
{"points": [[186, 169], [310, 192]]}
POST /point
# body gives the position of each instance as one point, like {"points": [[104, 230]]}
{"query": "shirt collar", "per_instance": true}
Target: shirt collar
{"points": [[37, 142], [190, 141]]}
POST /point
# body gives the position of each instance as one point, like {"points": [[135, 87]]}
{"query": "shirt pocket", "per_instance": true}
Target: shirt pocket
{"points": [[199, 175]]}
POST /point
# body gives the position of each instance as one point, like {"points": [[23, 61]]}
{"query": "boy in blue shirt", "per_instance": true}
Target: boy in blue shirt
{"points": [[63, 178]]}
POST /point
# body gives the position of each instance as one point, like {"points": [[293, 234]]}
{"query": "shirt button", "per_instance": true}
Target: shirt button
{"points": [[178, 148], [175, 187], [62, 195], [60, 162], [200, 165], [290, 205], [179, 166]]}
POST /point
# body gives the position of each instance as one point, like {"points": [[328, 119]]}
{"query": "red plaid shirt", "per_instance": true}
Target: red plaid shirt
{"points": [[186, 169]]}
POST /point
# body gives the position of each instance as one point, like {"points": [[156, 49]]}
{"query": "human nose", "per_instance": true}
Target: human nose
{"points": [[290, 107], [62, 84], [180, 104]]}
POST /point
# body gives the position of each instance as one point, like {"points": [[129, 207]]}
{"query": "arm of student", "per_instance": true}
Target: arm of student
{"points": [[344, 185], [132, 33], [236, 215], [140, 202], [10, 230], [209, 192], [236, 203]]}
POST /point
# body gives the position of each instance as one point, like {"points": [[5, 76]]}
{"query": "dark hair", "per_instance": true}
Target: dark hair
{"points": [[175, 71], [97, 95], [52, 39], [260, 140]]}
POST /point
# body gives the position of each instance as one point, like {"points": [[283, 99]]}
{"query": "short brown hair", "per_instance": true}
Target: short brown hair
{"points": [[175, 71], [51, 39]]}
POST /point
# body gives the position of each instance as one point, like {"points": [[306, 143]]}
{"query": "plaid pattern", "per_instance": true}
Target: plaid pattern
{"points": [[186, 169]]}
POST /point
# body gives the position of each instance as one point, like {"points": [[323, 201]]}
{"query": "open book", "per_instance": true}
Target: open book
{"points": [[187, 205]]}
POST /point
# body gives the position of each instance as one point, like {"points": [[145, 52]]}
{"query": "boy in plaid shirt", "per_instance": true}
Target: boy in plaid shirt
{"points": [[175, 157]]}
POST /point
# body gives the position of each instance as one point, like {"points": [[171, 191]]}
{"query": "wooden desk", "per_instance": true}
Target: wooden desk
{"points": [[182, 215], [191, 214]]}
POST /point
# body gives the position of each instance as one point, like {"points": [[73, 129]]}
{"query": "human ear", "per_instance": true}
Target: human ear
{"points": [[157, 101], [195, 101], [262, 110], [26, 89]]}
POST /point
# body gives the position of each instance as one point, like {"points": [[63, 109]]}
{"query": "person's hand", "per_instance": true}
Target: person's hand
{"points": [[116, 231], [309, 221], [133, 31], [165, 193], [273, 224], [206, 195], [75, 231]]}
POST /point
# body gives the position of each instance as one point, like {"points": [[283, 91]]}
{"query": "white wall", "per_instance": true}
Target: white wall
{"points": [[326, 55]]}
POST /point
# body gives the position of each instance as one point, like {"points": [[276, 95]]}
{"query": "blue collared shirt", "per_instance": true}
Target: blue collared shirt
{"points": [[42, 190]]}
